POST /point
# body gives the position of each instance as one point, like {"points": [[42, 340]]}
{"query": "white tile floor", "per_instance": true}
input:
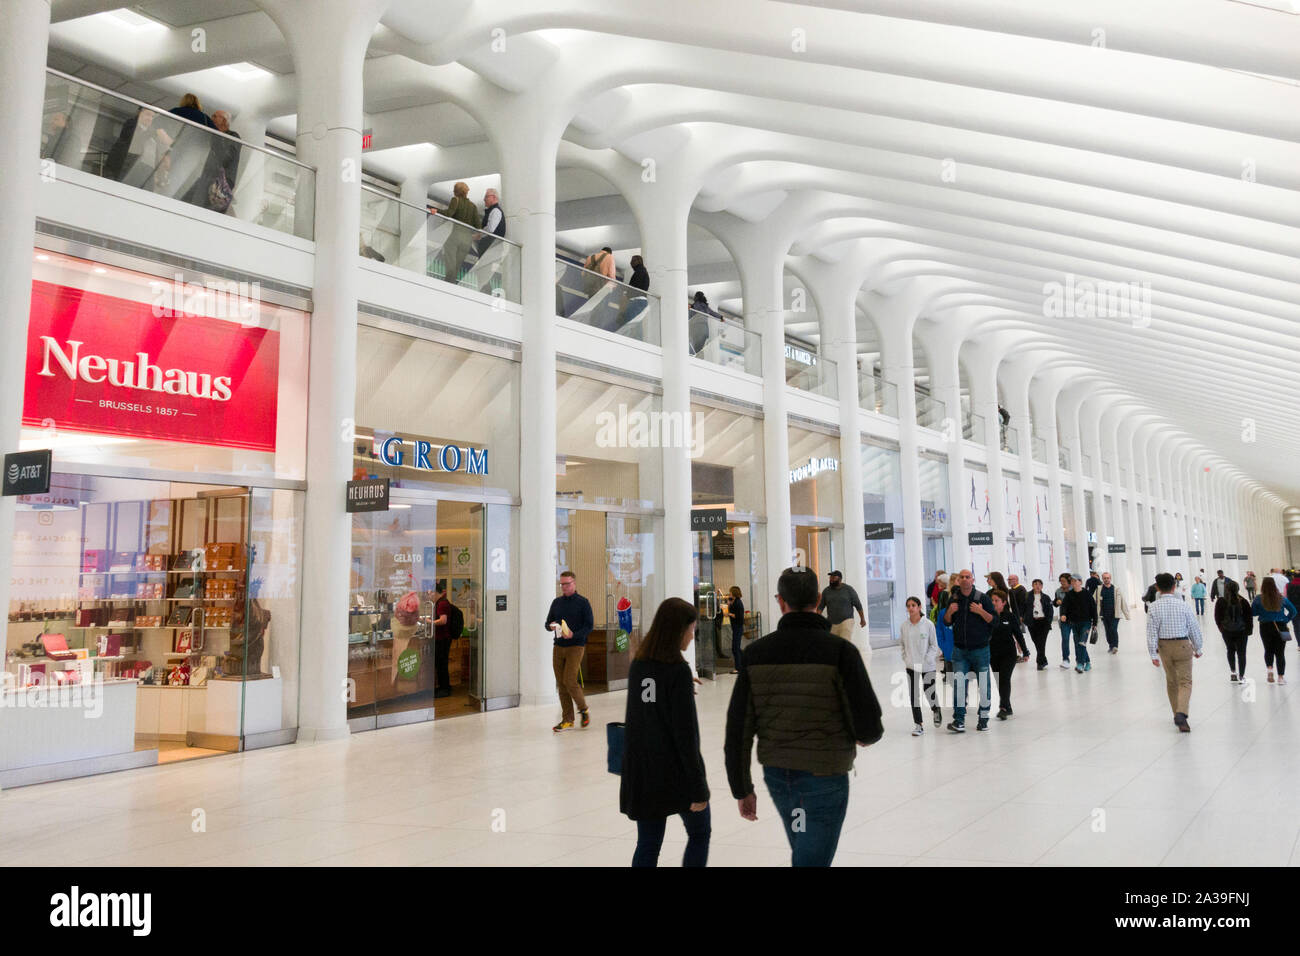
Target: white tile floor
{"points": [[1090, 770]]}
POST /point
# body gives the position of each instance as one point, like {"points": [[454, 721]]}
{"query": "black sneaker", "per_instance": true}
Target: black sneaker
{"points": [[1002, 714], [938, 717], [983, 724], [586, 717], [1181, 721], [957, 727]]}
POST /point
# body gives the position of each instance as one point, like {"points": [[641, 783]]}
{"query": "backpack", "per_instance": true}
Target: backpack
{"points": [[455, 621], [592, 281], [1232, 620]]}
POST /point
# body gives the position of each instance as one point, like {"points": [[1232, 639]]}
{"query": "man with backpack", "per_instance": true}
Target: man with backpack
{"points": [[448, 622]]}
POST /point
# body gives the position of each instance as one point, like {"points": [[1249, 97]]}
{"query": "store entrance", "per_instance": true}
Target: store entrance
{"points": [[724, 559], [612, 555], [408, 564], [816, 547]]}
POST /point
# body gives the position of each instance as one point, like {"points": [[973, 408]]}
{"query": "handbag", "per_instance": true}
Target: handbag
{"points": [[1092, 638], [615, 738], [220, 193]]}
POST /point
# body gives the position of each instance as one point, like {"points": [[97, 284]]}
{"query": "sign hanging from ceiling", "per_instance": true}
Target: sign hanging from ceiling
{"points": [[97, 363], [879, 531]]}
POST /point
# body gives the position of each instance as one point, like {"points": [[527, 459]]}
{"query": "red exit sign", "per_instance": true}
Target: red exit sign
{"points": [[366, 136]]}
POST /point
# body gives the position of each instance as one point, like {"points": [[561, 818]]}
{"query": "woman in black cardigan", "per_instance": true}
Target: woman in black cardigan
{"points": [[663, 771]]}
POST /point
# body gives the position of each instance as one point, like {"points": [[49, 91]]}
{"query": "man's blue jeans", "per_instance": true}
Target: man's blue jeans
{"points": [[812, 811], [966, 662], [1065, 642], [1081, 633]]}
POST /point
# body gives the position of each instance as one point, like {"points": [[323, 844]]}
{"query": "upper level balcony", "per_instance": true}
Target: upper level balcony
{"points": [[812, 373], [596, 300], [414, 238], [875, 394], [930, 412], [729, 344], [92, 130]]}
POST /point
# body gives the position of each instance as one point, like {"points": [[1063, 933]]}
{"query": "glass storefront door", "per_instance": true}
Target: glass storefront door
{"points": [[613, 556], [401, 669], [724, 559], [816, 548]]}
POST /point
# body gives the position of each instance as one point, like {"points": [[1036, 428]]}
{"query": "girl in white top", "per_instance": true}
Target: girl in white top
{"points": [[921, 658]]}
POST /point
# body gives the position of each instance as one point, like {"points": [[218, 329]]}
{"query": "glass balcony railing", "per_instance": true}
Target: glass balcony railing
{"points": [[603, 303], [90, 129], [811, 373], [1040, 450], [877, 395], [930, 412], [976, 428], [724, 343], [410, 237], [1063, 457], [1010, 441]]}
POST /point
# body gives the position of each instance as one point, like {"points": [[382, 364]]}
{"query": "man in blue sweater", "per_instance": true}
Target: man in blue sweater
{"points": [[570, 620], [969, 615]]}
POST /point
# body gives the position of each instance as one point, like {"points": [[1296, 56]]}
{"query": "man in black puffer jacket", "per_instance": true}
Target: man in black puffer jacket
{"points": [[805, 694]]}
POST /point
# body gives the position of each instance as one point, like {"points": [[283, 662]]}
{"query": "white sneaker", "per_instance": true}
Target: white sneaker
{"points": [[1281, 680], [918, 730], [1065, 665]]}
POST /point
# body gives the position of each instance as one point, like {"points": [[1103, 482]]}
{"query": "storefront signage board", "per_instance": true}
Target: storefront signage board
{"points": [[980, 538], [879, 531], [27, 472], [368, 494], [1116, 548], [708, 519], [97, 363], [430, 457], [1150, 550]]}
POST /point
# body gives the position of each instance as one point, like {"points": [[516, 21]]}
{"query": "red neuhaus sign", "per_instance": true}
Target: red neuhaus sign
{"points": [[97, 363]]}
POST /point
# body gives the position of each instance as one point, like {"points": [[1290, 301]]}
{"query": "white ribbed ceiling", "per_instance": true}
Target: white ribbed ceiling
{"points": [[971, 152]]}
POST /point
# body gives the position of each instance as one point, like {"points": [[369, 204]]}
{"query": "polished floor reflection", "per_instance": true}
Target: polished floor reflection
{"points": [[1090, 770]]}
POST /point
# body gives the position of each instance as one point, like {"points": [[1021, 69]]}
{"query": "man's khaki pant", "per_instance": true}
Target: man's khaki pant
{"points": [[1176, 659], [566, 661], [844, 629]]}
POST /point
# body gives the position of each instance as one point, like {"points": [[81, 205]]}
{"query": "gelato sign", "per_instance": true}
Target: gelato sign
{"points": [[427, 456]]}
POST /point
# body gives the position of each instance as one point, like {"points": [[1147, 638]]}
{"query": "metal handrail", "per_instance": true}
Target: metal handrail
{"points": [[424, 211], [269, 150]]}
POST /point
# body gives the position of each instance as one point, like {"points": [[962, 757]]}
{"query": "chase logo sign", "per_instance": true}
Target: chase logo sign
{"points": [[425, 455]]}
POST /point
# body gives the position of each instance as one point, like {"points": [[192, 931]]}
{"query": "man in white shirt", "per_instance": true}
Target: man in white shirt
{"points": [[1173, 639], [1279, 579]]}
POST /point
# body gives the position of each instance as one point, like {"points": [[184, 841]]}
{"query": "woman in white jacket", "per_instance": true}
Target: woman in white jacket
{"points": [[921, 658]]}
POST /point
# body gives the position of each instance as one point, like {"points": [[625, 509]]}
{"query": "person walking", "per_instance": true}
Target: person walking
{"points": [[1292, 591], [939, 584], [1039, 620], [839, 601], [663, 770], [1179, 591], [459, 241], [1274, 613], [1092, 583], [570, 619], [1079, 611], [806, 696], [1003, 655], [1236, 622], [1110, 605], [1249, 581], [736, 612], [969, 614], [998, 583], [1173, 639], [1279, 579], [920, 646], [1198, 595], [442, 638], [1063, 588], [1217, 585]]}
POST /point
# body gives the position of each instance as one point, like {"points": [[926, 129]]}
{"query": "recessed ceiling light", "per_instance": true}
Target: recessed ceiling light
{"points": [[100, 270], [133, 20], [43, 257], [244, 71]]}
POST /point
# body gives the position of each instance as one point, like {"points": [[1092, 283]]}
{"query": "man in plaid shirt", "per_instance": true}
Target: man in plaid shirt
{"points": [[1173, 639]]}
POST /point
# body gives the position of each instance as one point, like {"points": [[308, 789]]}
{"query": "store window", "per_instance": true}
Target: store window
{"points": [[816, 505], [935, 517], [882, 507], [727, 477], [610, 439], [979, 521], [1014, 511], [432, 628], [171, 608], [1043, 532]]}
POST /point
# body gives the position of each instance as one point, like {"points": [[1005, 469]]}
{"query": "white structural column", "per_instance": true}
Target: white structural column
{"points": [[328, 39], [838, 299], [1044, 397], [1126, 437], [1091, 428], [663, 223], [946, 380], [896, 319], [250, 181], [526, 131], [984, 400], [760, 258], [1019, 375], [413, 225], [24, 30], [1164, 522], [1070, 415]]}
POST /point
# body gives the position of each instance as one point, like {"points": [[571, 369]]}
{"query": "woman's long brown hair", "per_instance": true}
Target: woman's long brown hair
{"points": [[663, 642]]}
